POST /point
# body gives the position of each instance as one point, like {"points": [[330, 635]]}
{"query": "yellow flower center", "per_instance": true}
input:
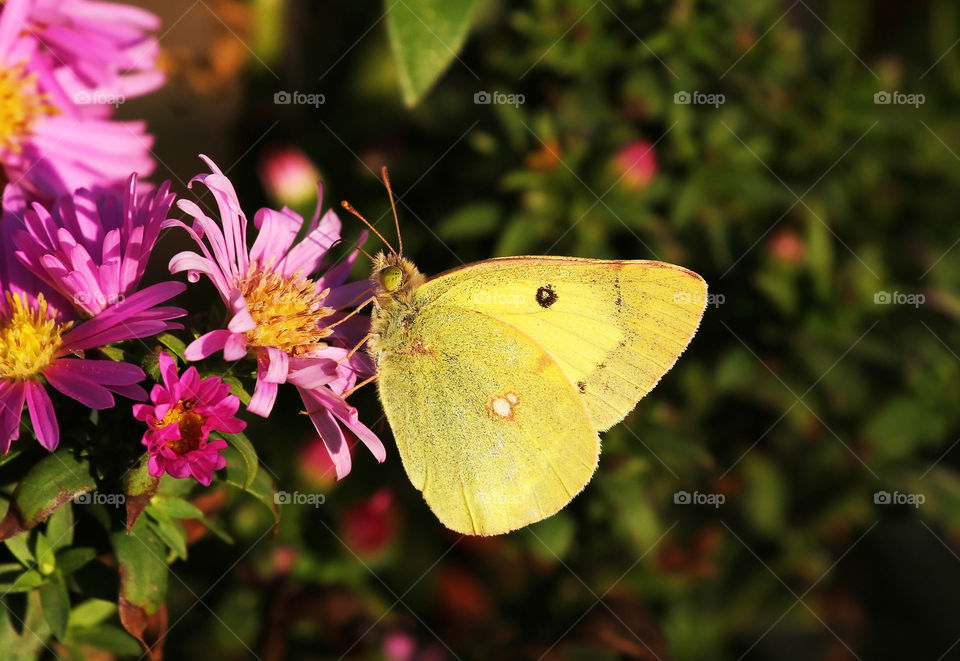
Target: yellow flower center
{"points": [[28, 339], [20, 105], [289, 312], [191, 427]]}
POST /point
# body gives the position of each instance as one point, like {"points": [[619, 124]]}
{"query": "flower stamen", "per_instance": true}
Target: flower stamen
{"points": [[20, 105], [29, 339], [288, 312]]}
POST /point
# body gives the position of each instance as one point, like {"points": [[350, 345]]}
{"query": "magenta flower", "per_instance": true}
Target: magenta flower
{"points": [[94, 247], [55, 134], [185, 410], [281, 314], [40, 342], [108, 47]]}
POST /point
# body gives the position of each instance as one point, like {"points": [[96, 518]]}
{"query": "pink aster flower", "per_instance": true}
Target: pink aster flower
{"points": [[106, 46], [41, 342], [52, 140], [281, 312], [185, 410], [94, 247]]}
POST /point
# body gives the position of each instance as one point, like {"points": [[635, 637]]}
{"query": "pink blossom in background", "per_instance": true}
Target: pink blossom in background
{"points": [[56, 134], [94, 247], [370, 526], [636, 164], [282, 300], [289, 176], [41, 341], [184, 411]]}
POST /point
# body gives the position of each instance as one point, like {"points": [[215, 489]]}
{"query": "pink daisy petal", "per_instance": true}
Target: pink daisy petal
{"points": [[42, 416]]}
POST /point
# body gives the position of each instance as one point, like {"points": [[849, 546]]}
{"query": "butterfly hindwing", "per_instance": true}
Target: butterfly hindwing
{"points": [[613, 327], [488, 426]]}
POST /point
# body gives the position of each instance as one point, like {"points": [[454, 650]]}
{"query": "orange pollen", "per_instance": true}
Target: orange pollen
{"points": [[289, 312], [191, 427]]}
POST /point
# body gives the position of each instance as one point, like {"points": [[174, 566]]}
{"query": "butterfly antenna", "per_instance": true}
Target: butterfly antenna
{"points": [[396, 220], [349, 207]]}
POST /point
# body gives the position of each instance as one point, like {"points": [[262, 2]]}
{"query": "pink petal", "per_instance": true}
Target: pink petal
{"points": [[63, 378], [41, 414], [207, 345]]}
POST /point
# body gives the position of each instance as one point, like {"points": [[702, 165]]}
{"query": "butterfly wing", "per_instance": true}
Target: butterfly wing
{"points": [[613, 327], [487, 425]]}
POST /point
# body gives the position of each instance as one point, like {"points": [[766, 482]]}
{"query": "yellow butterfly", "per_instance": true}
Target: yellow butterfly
{"points": [[496, 377]]}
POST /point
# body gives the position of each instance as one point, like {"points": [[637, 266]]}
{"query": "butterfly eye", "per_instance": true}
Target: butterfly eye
{"points": [[391, 278]]}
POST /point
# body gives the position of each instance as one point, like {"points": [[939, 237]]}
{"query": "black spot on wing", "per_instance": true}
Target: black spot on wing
{"points": [[546, 296], [581, 386], [616, 286]]}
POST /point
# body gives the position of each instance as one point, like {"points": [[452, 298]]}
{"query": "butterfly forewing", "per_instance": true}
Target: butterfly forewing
{"points": [[613, 327]]}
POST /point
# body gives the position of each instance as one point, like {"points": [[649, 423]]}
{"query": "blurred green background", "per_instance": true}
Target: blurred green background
{"points": [[825, 373]]}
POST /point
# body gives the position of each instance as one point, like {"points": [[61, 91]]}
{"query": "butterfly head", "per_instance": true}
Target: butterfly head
{"points": [[395, 276]]}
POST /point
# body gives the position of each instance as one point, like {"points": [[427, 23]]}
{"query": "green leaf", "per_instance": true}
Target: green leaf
{"points": [[247, 452], [262, 487], [20, 549], [425, 36], [56, 607], [60, 528], [174, 343], [53, 481], [72, 559], [46, 558], [236, 388], [143, 571], [91, 612], [107, 637], [33, 631], [139, 487], [171, 531], [177, 508]]}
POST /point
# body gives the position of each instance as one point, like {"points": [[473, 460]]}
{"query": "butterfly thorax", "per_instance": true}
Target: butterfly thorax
{"points": [[396, 281]]}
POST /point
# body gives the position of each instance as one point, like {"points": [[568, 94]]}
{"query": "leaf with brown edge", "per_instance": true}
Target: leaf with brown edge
{"points": [[149, 630], [143, 585], [53, 481], [139, 487]]}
